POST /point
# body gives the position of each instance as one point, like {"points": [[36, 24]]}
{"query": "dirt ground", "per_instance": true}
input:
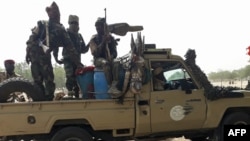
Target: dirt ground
{"points": [[236, 83], [176, 139], [168, 139]]}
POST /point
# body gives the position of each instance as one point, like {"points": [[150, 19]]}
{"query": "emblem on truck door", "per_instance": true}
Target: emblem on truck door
{"points": [[177, 113]]}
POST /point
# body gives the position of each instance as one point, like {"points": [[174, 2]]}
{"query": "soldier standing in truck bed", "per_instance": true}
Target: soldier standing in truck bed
{"points": [[69, 66], [52, 34]]}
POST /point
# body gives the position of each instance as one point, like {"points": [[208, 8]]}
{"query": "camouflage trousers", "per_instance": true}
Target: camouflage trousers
{"points": [[43, 76], [71, 83], [111, 69]]}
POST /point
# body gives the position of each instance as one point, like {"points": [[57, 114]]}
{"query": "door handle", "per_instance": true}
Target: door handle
{"points": [[159, 101], [194, 100]]}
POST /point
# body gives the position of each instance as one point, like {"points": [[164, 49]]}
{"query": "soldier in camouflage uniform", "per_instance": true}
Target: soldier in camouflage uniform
{"points": [[9, 70], [100, 53], [69, 66], [10, 73], [52, 34]]}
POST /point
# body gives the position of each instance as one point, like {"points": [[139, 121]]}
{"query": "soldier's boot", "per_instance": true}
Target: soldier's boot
{"points": [[76, 92], [113, 91], [71, 93], [76, 95]]}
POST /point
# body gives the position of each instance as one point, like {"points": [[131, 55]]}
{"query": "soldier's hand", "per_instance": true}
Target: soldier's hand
{"points": [[106, 38], [80, 65], [48, 51], [27, 59]]}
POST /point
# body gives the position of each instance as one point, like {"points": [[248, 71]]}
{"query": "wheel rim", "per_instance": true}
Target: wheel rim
{"points": [[240, 123], [73, 139]]}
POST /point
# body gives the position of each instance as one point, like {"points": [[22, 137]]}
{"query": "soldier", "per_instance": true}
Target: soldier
{"points": [[103, 48], [46, 37], [158, 79], [9, 70], [10, 73], [69, 66]]}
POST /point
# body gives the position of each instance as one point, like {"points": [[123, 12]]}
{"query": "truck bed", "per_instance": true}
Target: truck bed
{"points": [[40, 117]]}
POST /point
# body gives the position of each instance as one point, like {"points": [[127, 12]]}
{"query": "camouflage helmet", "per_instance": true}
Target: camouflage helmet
{"points": [[9, 61], [73, 18], [100, 21]]}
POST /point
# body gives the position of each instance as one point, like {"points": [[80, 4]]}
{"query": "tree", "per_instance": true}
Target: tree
{"points": [[245, 71], [59, 76], [24, 70], [242, 73]]}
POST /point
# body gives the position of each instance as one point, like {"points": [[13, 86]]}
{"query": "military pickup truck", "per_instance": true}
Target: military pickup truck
{"points": [[175, 99]]}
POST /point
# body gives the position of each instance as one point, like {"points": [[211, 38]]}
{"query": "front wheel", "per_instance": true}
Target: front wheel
{"points": [[237, 118], [72, 134]]}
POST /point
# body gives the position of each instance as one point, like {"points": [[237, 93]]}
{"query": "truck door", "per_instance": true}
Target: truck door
{"points": [[176, 102]]}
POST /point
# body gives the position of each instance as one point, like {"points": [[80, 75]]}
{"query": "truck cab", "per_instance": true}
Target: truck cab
{"points": [[175, 104]]}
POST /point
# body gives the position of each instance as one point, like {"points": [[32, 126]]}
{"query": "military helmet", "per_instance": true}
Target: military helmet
{"points": [[73, 18]]}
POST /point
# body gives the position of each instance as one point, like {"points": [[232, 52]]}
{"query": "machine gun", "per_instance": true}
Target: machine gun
{"points": [[120, 29]]}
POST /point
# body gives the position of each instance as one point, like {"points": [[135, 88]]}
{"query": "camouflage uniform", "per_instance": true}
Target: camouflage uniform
{"points": [[41, 67], [5, 75], [99, 52], [8, 74], [69, 66]]}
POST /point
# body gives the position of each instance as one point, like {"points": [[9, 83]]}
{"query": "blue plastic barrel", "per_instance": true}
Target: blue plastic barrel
{"points": [[100, 85], [85, 79]]}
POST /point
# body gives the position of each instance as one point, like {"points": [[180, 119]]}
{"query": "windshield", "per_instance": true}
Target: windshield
{"points": [[175, 74]]}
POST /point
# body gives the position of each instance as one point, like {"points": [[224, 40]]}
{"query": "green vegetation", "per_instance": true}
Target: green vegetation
{"points": [[242, 73], [23, 69]]}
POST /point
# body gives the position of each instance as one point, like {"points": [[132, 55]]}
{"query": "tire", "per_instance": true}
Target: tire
{"points": [[72, 134], [199, 139], [19, 84], [237, 118]]}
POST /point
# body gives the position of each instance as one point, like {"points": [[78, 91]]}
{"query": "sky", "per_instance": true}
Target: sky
{"points": [[218, 30]]}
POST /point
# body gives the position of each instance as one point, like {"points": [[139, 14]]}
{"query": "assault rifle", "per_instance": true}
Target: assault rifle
{"points": [[45, 30], [106, 33]]}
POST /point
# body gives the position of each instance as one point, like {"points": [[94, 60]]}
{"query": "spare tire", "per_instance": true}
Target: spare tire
{"points": [[20, 84]]}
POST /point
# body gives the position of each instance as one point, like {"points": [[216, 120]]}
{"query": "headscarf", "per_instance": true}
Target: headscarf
{"points": [[100, 21], [53, 12]]}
